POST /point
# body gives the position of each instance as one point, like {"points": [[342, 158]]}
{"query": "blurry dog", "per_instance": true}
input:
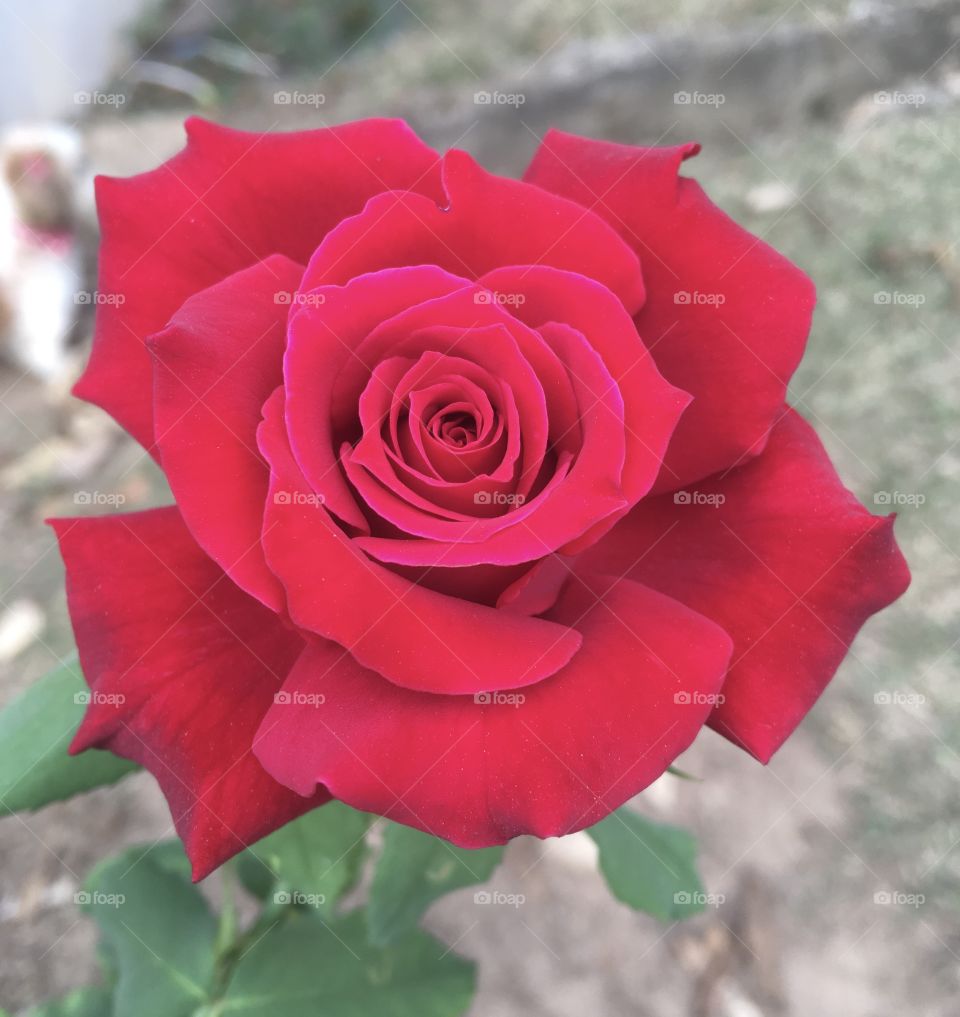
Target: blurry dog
{"points": [[44, 261]]}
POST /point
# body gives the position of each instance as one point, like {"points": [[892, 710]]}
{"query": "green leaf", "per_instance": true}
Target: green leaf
{"points": [[168, 855], [313, 860], [413, 870], [91, 1002], [35, 730], [303, 967], [648, 865], [160, 933], [161, 937]]}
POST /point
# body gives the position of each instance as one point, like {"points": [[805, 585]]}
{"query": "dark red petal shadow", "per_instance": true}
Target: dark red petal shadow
{"points": [[479, 773], [196, 664], [228, 200], [735, 358], [790, 564]]}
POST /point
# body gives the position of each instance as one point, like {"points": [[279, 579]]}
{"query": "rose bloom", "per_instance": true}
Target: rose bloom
{"points": [[487, 497]]}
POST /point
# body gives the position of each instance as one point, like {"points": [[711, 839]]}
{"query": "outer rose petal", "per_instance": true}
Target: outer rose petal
{"points": [[735, 357], [216, 363], [578, 745], [229, 199], [790, 564], [484, 221], [412, 635], [196, 663]]}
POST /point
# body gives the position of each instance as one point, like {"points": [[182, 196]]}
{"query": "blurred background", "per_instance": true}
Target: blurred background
{"points": [[832, 129]]}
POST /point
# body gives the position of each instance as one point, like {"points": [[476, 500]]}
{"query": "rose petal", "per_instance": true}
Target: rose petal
{"points": [[454, 325], [183, 666], [464, 541], [228, 200], [452, 496], [215, 365], [485, 221], [590, 492], [735, 357], [790, 564], [494, 347], [536, 591], [324, 336], [409, 634], [651, 405], [479, 773]]}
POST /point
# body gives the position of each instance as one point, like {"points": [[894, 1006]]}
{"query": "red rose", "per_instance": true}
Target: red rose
{"points": [[443, 547]]}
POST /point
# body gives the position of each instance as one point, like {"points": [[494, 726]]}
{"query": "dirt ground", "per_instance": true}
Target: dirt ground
{"points": [[811, 858]]}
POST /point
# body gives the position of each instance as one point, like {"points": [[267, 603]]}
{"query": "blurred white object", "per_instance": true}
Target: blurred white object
{"points": [[20, 624], [575, 850], [774, 196], [57, 50], [42, 193]]}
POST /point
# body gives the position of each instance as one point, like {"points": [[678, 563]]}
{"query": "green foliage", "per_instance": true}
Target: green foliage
{"points": [[648, 865], [415, 869], [160, 933], [305, 967], [172, 958], [313, 860], [91, 1002], [311, 35], [35, 730], [304, 36]]}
